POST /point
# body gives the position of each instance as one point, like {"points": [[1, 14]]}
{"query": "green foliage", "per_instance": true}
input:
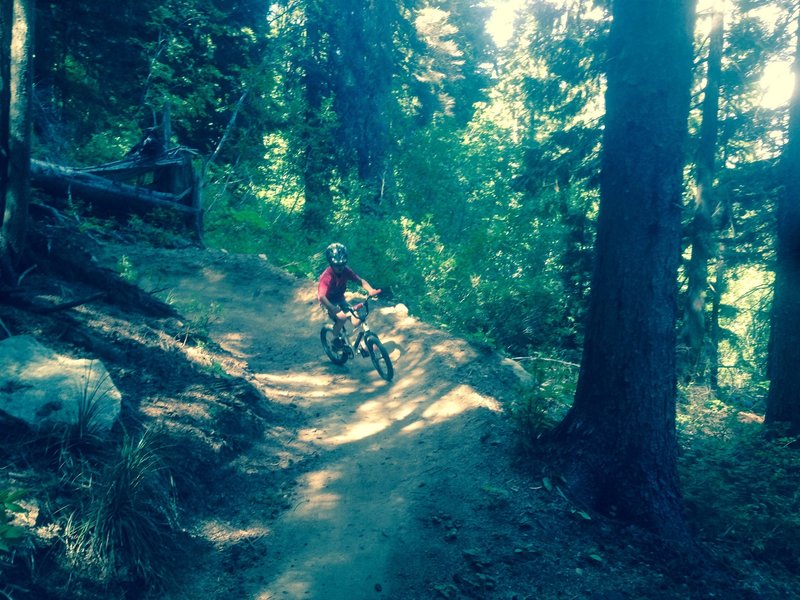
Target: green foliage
{"points": [[126, 269], [10, 535], [539, 406], [740, 489], [120, 527]]}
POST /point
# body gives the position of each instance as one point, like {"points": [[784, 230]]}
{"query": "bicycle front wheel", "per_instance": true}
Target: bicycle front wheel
{"points": [[380, 357], [337, 357]]}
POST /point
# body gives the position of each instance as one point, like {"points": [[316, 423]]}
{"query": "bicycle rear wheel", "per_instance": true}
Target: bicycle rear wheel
{"points": [[337, 357], [380, 357]]}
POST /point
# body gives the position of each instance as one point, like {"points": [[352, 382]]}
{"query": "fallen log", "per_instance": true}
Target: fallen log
{"points": [[128, 168], [111, 195]]}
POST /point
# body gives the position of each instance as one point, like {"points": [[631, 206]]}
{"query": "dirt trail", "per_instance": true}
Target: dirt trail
{"points": [[389, 476]]}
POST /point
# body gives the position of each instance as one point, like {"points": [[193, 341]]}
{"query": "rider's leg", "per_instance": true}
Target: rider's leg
{"points": [[339, 321], [338, 325]]}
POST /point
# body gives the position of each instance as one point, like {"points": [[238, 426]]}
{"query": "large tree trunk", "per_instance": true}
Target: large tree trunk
{"points": [[621, 447], [783, 401], [693, 332], [15, 214]]}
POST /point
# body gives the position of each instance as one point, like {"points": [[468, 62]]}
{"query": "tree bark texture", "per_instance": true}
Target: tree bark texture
{"points": [[5, 64], [620, 432], [783, 401], [693, 332], [15, 214]]}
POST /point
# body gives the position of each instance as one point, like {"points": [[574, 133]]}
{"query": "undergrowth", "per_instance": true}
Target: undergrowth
{"points": [[109, 504], [740, 488]]}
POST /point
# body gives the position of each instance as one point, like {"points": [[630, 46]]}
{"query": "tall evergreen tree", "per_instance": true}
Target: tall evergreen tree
{"points": [[620, 430], [693, 332], [783, 401], [315, 135]]}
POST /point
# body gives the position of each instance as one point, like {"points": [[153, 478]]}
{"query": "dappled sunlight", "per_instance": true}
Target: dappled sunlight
{"points": [[293, 584], [311, 385], [318, 503], [415, 426], [359, 431], [398, 409], [223, 533], [237, 344], [451, 404], [212, 275], [377, 416]]}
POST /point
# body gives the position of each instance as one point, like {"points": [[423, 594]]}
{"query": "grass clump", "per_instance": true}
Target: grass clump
{"points": [[120, 526]]}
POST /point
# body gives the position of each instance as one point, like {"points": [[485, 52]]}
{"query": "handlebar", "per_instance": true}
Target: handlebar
{"points": [[354, 309]]}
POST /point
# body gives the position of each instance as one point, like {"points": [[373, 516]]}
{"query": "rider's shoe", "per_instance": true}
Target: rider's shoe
{"points": [[338, 343]]}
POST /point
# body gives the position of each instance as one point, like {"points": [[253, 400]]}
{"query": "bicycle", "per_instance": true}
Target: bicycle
{"points": [[367, 342]]}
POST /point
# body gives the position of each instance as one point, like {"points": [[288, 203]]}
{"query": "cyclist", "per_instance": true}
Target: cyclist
{"points": [[332, 285]]}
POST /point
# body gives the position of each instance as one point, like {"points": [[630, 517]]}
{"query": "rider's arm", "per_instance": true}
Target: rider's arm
{"points": [[368, 288]]}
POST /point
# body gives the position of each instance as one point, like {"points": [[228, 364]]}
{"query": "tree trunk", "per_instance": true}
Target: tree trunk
{"points": [[5, 63], [783, 401], [693, 332], [619, 435], [315, 136], [15, 215]]}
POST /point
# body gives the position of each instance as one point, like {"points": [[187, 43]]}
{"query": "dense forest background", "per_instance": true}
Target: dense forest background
{"points": [[465, 176], [461, 174]]}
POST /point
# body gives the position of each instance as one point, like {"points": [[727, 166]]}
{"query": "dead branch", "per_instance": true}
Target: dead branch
{"points": [[47, 310]]}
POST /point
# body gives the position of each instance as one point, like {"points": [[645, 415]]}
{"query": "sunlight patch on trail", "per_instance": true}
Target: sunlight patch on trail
{"points": [[318, 502], [359, 431], [375, 417], [455, 402], [212, 275], [310, 386], [223, 533], [237, 344]]}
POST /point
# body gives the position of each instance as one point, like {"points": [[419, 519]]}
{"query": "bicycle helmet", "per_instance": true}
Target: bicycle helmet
{"points": [[336, 254]]}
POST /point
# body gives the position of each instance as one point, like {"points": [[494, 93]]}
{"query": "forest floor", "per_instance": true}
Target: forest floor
{"points": [[300, 479]]}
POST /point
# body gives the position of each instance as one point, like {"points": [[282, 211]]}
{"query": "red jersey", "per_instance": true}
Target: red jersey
{"points": [[333, 286]]}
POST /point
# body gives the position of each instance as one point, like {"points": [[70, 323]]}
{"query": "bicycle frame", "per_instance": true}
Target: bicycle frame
{"points": [[362, 328], [367, 343]]}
